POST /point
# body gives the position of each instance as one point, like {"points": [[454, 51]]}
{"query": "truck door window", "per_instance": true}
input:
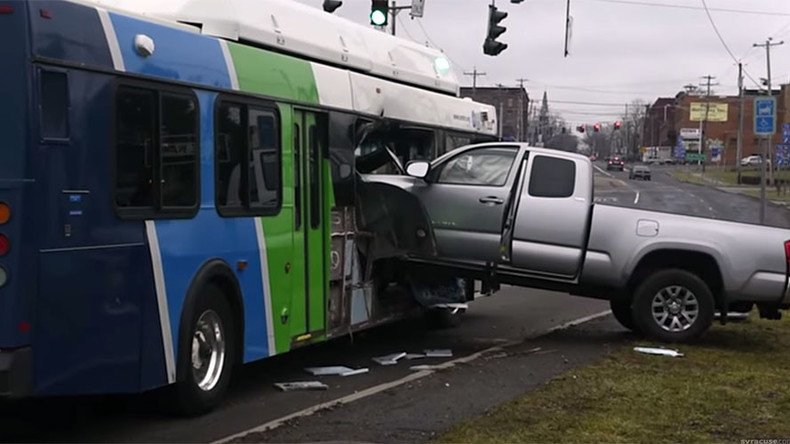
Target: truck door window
{"points": [[552, 177], [485, 166]]}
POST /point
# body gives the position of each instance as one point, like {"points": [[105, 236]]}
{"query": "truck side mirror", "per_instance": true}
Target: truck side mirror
{"points": [[418, 168]]}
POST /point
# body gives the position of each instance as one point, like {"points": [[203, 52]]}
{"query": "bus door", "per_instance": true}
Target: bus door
{"points": [[308, 303]]}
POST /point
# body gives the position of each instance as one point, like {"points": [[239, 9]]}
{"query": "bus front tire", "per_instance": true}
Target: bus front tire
{"points": [[207, 354]]}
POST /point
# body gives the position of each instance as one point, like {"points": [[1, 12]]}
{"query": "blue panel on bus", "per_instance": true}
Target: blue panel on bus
{"points": [[185, 245], [69, 31], [179, 55]]}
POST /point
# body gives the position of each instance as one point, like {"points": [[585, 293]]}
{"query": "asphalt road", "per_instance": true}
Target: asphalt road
{"points": [[409, 410], [664, 193]]}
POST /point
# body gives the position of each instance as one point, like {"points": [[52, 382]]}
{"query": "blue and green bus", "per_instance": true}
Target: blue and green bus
{"points": [[179, 187]]}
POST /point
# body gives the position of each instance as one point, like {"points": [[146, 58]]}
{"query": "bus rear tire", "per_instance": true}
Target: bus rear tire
{"points": [[207, 354]]}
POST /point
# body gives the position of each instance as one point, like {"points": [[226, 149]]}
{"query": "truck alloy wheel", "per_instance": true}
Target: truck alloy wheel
{"points": [[673, 306]]}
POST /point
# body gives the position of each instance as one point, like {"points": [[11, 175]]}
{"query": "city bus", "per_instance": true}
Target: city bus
{"points": [[180, 188]]}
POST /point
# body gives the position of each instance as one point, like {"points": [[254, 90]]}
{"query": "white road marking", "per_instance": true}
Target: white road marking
{"points": [[271, 425], [636, 199], [601, 170]]}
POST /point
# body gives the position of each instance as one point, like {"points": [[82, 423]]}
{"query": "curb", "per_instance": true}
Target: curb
{"points": [[717, 187]]}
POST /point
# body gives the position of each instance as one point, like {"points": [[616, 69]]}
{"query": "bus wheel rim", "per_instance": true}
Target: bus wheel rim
{"points": [[208, 350]]}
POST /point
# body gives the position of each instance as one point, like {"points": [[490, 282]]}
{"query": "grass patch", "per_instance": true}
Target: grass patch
{"points": [[770, 194], [731, 385]]}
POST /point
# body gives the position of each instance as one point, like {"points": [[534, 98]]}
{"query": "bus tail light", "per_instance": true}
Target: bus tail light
{"points": [[5, 213], [6, 9], [5, 245]]}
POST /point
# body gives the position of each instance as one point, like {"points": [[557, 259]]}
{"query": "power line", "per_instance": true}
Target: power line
{"points": [[403, 26], [694, 8], [430, 40], [721, 39]]}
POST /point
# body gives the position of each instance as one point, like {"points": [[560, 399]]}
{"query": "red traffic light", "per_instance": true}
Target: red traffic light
{"points": [[597, 127], [618, 124], [580, 128]]}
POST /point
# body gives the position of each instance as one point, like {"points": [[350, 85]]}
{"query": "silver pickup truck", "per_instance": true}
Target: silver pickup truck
{"points": [[515, 214]]}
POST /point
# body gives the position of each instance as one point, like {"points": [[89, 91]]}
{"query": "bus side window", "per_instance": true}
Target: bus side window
{"points": [[54, 105], [156, 153], [247, 160]]}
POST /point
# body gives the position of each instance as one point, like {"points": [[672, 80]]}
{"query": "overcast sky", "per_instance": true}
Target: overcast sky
{"points": [[619, 51]]}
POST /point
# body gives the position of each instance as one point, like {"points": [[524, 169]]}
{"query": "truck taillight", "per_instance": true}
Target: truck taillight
{"points": [[787, 254], [6, 9], [5, 245]]}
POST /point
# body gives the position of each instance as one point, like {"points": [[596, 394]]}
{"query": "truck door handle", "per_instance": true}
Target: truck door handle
{"points": [[491, 200]]}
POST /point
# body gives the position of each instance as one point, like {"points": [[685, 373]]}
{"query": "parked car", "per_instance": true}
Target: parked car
{"points": [[509, 213], [751, 161], [639, 172], [615, 163]]}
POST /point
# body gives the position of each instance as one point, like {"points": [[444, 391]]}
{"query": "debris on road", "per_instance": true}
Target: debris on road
{"points": [[358, 371], [411, 356], [328, 371], [439, 353], [390, 359], [658, 351], [418, 368], [301, 385]]}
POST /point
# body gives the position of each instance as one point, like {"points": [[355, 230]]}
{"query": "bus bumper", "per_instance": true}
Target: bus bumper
{"points": [[16, 373]]}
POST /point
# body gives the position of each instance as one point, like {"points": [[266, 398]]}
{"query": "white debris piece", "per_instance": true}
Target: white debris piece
{"points": [[418, 368], [658, 351], [301, 385], [327, 371], [390, 359], [411, 356], [358, 371], [439, 353]]}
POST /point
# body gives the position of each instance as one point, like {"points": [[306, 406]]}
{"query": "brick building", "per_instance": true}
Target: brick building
{"points": [[668, 118], [512, 106]]}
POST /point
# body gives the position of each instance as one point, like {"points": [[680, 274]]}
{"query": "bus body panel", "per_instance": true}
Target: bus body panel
{"points": [[16, 182]]}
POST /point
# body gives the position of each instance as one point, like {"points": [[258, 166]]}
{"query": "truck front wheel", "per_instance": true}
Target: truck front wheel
{"points": [[673, 306]]}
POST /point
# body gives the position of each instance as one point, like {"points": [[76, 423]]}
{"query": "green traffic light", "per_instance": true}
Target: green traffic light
{"points": [[378, 18]]}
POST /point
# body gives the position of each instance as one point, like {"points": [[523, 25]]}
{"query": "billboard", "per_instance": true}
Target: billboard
{"points": [[717, 112]]}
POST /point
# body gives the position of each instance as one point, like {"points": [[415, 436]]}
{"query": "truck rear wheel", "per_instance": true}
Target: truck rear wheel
{"points": [[673, 306], [621, 309]]}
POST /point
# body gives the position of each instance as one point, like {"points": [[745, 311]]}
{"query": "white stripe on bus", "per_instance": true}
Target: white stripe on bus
{"points": [[267, 293], [234, 78], [112, 39], [161, 300]]}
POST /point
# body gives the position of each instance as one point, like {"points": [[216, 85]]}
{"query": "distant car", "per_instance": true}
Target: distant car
{"points": [[615, 163], [639, 172], [751, 161]]}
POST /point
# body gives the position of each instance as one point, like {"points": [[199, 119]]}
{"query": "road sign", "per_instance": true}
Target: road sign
{"points": [[782, 157], [764, 116], [716, 112], [417, 8], [695, 157]]}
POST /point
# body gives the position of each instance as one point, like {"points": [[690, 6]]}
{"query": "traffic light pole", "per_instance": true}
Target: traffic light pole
{"points": [[394, 10]]}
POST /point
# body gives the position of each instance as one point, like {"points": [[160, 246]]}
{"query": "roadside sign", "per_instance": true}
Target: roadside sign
{"points": [[695, 157], [716, 112], [417, 8], [764, 116], [782, 157]]}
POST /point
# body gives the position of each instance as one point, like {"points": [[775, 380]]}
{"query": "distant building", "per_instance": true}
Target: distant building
{"points": [[512, 106]]}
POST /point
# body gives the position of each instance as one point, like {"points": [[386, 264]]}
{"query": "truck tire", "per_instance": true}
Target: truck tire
{"points": [[621, 309], [441, 318], [206, 355], [673, 306]]}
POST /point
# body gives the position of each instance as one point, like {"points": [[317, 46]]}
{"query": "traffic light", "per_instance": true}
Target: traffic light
{"points": [[379, 12], [331, 5], [491, 46], [597, 127], [618, 124], [580, 128]]}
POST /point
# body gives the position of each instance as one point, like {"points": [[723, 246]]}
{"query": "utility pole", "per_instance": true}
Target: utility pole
{"points": [[703, 124], [521, 110], [475, 74], [768, 44], [394, 10], [739, 149]]}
